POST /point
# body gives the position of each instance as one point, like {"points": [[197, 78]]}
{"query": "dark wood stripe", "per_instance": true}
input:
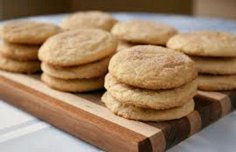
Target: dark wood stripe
{"points": [[232, 97], [142, 146], [72, 120], [209, 109], [175, 131]]}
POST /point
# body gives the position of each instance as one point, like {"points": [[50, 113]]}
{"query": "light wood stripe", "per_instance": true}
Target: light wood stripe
{"points": [[195, 122], [86, 105], [156, 140], [226, 106]]}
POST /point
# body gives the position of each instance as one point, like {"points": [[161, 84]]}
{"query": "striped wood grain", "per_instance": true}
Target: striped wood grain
{"points": [[84, 116]]}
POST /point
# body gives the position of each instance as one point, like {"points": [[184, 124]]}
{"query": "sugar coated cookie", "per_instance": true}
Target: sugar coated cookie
{"points": [[136, 113], [77, 47], [152, 67]]}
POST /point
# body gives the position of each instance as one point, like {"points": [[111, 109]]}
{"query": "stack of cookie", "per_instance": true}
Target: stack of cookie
{"points": [[136, 32], [20, 45], [214, 54], [89, 19], [150, 83], [77, 60]]}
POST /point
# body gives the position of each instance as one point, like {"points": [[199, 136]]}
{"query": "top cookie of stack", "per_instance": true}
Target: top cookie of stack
{"points": [[150, 83], [215, 55], [89, 20], [77, 60], [134, 32], [20, 45]]}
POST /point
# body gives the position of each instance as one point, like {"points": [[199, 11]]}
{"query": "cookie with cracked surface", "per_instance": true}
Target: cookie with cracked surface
{"points": [[210, 65], [11, 65], [216, 82], [205, 43], [86, 71], [153, 99], [77, 47], [89, 19], [28, 32], [145, 32], [152, 67], [143, 114], [74, 85], [19, 52]]}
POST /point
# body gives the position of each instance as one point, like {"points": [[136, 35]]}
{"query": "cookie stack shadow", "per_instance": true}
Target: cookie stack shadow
{"points": [[214, 53], [150, 83], [20, 43], [77, 60]]}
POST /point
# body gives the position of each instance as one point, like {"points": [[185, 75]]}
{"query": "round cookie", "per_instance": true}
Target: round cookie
{"points": [[77, 47], [19, 66], [28, 32], [145, 32], [86, 71], [75, 85], [90, 19], [18, 51], [205, 43], [216, 82], [161, 99], [215, 65], [136, 113], [152, 67]]}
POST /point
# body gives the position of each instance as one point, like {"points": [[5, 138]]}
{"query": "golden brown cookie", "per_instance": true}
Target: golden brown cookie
{"points": [[153, 99], [89, 19], [205, 43], [213, 65], [86, 71], [143, 114], [19, 51], [216, 82], [19, 66], [146, 32], [152, 67], [77, 47], [28, 32], [75, 85]]}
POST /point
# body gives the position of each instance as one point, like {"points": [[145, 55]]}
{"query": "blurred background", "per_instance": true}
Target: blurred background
{"points": [[207, 8]]}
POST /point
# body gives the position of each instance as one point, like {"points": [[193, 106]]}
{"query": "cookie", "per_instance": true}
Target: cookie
{"points": [[146, 32], [77, 47], [19, 51], [216, 82], [152, 67], [28, 32], [143, 114], [205, 43], [86, 71], [124, 45], [11, 65], [160, 99], [74, 85], [89, 19], [210, 65]]}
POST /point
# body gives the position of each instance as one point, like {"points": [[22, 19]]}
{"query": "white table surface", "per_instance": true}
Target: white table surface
{"points": [[21, 132]]}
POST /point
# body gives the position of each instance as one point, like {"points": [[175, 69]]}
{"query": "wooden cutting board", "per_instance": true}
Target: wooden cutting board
{"points": [[84, 115]]}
